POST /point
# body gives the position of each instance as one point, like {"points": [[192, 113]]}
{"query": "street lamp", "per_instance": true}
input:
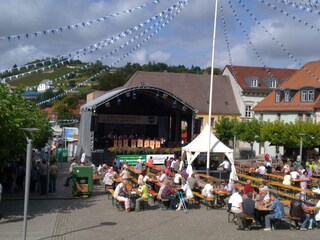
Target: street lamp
{"points": [[302, 135], [27, 180]]}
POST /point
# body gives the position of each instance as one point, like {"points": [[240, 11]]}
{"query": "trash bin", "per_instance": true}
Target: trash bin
{"points": [[61, 154], [82, 181]]}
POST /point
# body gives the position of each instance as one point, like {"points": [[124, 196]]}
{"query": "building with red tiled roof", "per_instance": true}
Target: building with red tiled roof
{"points": [[296, 99], [251, 85]]}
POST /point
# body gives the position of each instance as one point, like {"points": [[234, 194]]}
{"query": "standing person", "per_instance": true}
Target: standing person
{"points": [[83, 157], [34, 177], [52, 177], [72, 165], [304, 184], [277, 211], [43, 177], [226, 167], [150, 161]]}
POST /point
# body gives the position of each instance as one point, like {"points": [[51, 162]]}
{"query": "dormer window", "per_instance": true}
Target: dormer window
{"points": [[273, 83], [278, 97], [307, 95], [254, 83], [287, 96]]}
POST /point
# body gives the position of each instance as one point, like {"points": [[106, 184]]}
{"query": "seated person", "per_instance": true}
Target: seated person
{"points": [[230, 187], [144, 195], [124, 173], [141, 177], [247, 210], [261, 169], [235, 201], [277, 211], [287, 179], [162, 177], [193, 183], [109, 178], [122, 194], [247, 187], [207, 191], [187, 192], [169, 193], [297, 208], [177, 178]]}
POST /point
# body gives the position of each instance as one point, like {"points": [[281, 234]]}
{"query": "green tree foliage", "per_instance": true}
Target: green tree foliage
{"points": [[17, 113], [64, 107], [226, 129]]}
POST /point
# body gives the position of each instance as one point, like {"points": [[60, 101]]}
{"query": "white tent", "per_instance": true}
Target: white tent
{"points": [[200, 144]]}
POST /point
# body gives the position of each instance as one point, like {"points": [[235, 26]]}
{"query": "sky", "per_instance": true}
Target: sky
{"points": [[274, 39]]}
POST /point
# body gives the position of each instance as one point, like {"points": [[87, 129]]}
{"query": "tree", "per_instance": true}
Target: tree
{"points": [[249, 131], [226, 129], [16, 113]]}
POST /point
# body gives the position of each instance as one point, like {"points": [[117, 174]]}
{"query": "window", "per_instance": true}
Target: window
{"points": [[279, 116], [248, 113], [307, 95], [310, 95], [213, 124], [287, 96], [273, 83], [278, 97], [254, 83]]}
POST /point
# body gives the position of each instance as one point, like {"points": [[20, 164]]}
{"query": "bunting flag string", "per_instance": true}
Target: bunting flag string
{"points": [[250, 41], [287, 14], [182, 4], [300, 5], [120, 47], [304, 7], [251, 14], [225, 33], [74, 26], [67, 58], [248, 38]]}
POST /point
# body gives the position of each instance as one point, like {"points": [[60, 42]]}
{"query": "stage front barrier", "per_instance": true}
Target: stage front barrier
{"points": [[152, 144]]}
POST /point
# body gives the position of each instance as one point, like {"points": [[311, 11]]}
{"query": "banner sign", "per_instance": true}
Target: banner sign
{"points": [[71, 133], [131, 159], [127, 119], [159, 158]]}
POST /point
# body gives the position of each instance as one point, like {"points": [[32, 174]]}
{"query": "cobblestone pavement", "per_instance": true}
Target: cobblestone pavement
{"points": [[59, 216]]}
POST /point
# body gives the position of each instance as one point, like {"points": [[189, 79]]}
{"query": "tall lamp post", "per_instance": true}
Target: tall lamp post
{"points": [[302, 135], [27, 180]]}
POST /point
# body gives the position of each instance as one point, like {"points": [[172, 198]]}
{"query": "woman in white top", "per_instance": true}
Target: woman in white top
{"points": [[287, 179], [187, 190], [177, 178]]}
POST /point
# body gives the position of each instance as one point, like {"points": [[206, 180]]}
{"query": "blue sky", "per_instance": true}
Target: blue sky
{"points": [[186, 40]]}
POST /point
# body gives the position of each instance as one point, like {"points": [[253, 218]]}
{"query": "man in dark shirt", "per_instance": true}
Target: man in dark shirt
{"points": [[247, 210]]}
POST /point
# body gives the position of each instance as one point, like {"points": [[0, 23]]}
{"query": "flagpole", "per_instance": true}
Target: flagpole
{"points": [[211, 83]]}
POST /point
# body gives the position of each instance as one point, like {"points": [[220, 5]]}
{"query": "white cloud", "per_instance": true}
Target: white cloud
{"points": [[140, 56], [159, 56]]}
